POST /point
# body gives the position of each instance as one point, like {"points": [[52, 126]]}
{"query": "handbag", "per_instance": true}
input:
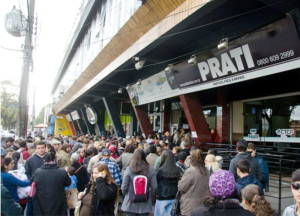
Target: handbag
{"points": [[175, 210], [32, 189], [72, 197]]}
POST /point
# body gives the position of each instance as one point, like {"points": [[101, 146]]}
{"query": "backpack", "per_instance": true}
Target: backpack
{"points": [[138, 188]]}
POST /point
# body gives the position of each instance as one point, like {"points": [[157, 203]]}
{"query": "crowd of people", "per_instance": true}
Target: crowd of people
{"points": [[37, 172]]}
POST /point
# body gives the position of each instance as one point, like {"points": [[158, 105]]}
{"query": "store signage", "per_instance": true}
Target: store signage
{"points": [[253, 135], [272, 49], [91, 115], [75, 115], [285, 132]]}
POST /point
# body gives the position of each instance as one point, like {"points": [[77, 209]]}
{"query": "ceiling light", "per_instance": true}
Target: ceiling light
{"points": [[120, 91], [169, 68], [139, 82], [223, 44], [192, 60]]}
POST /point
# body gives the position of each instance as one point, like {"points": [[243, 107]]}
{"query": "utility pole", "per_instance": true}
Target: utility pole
{"points": [[27, 60]]}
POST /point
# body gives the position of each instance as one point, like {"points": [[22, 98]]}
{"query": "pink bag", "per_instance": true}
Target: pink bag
{"points": [[33, 189]]}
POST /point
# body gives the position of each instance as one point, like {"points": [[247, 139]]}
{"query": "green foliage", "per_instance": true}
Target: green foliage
{"points": [[40, 118], [9, 105]]}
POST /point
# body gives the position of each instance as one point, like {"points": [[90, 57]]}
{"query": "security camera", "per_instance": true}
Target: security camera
{"points": [[223, 44], [138, 65], [192, 60]]}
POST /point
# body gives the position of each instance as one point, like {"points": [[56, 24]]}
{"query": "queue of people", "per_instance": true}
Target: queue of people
{"points": [[103, 170]]}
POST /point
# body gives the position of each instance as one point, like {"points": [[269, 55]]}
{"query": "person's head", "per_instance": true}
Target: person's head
{"points": [[212, 151], [9, 142], [129, 148], [222, 184], [184, 144], [182, 156], [56, 144], [241, 145], [66, 148], [102, 168], [49, 157], [251, 148], [106, 153], [254, 202], [243, 167], [70, 170], [176, 150], [211, 162], [112, 149], [197, 161], [296, 186], [81, 152], [8, 164], [74, 157], [16, 157], [152, 149], [49, 148], [138, 162], [22, 144], [40, 148], [168, 165]]}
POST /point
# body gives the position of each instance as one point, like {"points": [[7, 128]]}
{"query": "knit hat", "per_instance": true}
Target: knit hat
{"points": [[222, 184]]}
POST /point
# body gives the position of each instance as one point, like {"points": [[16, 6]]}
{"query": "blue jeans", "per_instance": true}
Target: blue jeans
{"points": [[163, 207]]}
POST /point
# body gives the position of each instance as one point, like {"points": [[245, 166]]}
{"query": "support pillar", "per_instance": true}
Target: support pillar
{"points": [[142, 116], [166, 116], [223, 115], [114, 116], [195, 117]]}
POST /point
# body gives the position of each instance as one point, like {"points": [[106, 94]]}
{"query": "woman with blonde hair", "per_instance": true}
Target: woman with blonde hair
{"points": [[211, 163], [100, 194], [254, 202]]}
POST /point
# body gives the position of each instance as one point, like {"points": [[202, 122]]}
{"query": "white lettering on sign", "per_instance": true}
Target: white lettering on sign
{"points": [[284, 132], [230, 63]]}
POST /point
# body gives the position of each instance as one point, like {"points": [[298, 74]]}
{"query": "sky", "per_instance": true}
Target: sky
{"points": [[56, 20]]}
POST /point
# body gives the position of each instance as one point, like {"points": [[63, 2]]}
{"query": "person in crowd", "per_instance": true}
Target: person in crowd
{"points": [[152, 156], [243, 169], [176, 138], [256, 203], [294, 210], [262, 164], [81, 153], [219, 158], [23, 151], [63, 156], [114, 152], [193, 185], [16, 145], [242, 153], [9, 142], [138, 165], [180, 162], [112, 166], [71, 173], [89, 153], [50, 148], [187, 161], [211, 163], [175, 151], [101, 193], [168, 176], [221, 203], [185, 146], [124, 160], [214, 135], [51, 180], [56, 144], [11, 182], [80, 172]]}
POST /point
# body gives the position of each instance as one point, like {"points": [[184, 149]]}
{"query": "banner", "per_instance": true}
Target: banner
{"points": [[62, 126], [272, 49]]}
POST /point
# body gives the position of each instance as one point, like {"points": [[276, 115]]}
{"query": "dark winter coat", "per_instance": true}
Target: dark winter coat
{"points": [[32, 164], [243, 182], [166, 187], [103, 202], [254, 169], [229, 209], [81, 175], [50, 198]]}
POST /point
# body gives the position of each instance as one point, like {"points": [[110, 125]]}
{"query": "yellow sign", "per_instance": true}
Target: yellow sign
{"points": [[62, 126]]}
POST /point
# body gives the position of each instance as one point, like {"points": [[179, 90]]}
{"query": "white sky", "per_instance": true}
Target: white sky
{"points": [[55, 21]]}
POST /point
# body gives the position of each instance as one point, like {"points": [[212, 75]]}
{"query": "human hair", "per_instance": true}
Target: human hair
{"points": [[152, 149], [49, 157], [296, 175], [9, 139], [258, 205], [64, 147], [212, 151], [243, 165], [40, 143], [251, 145], [241, 145], [129, 148], [138, 164], [168, 165], [50, 148], [211, 162], [6, 162], [103, 167], [71, 170], [22, 144], [16, 157], [197, 161], [176, 148], [74, 157]]}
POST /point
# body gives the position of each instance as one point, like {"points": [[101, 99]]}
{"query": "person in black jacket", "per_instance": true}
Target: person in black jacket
{"points": [[168, 176], [104, 193], [81, 173], [51, 180]]}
